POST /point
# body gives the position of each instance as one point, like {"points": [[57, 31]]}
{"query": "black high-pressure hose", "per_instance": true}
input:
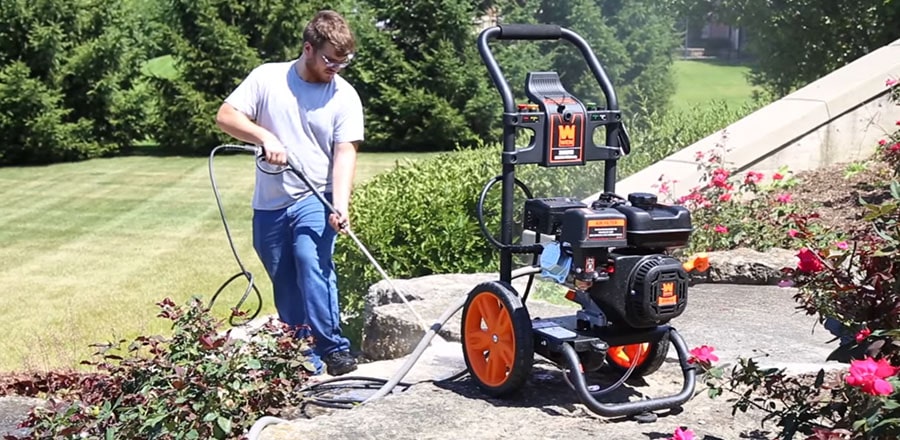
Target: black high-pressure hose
{"points": [[479, 215], [251, 285]]}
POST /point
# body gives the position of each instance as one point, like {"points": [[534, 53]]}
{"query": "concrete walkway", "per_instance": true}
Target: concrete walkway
{"points": [[738, 320]]}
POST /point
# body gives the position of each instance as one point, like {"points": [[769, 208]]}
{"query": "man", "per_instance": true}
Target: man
{"points": [[306, 110]]}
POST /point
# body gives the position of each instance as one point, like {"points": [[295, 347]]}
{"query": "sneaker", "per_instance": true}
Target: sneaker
{"points": [[339, 363]]}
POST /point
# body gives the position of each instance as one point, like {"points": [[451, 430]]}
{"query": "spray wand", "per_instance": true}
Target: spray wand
{"points": [[297, 168]]}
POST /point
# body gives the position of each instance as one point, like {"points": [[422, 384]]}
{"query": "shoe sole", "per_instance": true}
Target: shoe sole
{"points": [[342, 371]]}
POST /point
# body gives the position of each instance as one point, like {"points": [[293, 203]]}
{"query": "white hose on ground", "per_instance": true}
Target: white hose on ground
{"points": [[261, 424], [430, 334], [417, 353]]}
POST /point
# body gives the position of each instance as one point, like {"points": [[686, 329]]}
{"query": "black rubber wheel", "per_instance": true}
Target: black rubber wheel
{"points": [[619, 357], [497, 342]]}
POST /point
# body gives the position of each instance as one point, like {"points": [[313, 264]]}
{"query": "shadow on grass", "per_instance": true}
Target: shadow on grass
{"points": [[147, 149]]}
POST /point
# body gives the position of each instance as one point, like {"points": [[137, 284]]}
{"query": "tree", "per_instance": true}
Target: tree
{"points": [[435, 95], [71, 87], [211, 55]]}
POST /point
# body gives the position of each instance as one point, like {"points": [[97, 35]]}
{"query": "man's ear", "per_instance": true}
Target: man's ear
{"points": [[307, 49]]}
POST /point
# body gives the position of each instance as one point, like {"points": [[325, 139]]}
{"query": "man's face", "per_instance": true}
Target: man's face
{"points": [[324, 62]]}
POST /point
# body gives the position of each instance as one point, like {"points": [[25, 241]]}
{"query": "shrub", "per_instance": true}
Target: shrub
{"points": [[197, 384], [416, 220], [33, 127], [751, 210]]}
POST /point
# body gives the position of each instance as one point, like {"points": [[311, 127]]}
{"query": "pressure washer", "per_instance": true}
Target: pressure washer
{"points": [[614, 254]]}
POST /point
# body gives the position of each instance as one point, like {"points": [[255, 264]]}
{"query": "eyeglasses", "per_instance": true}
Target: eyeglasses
{"points": [[337, 64]]}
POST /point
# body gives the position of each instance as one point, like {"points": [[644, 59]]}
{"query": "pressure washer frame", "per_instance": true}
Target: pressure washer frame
{"points": [[511, 121], [545, 341]]}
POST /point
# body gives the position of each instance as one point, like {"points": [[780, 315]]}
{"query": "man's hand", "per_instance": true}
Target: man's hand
{"points": [[276, 154], [340, 222]]}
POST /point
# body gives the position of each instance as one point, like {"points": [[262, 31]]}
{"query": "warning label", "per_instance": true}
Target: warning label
{"points": [[612, 229]]}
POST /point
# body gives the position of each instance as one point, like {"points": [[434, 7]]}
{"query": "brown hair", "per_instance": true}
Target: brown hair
{"points": [[330, 27]]}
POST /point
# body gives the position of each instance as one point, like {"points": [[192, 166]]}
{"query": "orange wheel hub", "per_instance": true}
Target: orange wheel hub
{"points": [[490, 339], [624, 355]]}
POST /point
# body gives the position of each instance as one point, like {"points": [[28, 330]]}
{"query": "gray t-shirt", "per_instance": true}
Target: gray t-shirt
{"points": [[308, 118]]}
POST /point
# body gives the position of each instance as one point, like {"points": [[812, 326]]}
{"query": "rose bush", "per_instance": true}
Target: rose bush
{"points": [[851, 283], [752, 210]]}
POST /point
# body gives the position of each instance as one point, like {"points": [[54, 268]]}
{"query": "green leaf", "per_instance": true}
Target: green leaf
{"points": [[253, 364], [210, 416], [891, 421], [224, 424], [890, 404], [155, 420]]}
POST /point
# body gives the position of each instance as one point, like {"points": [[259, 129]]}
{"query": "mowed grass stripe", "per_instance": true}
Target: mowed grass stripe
{"points": [[150, 206], [99, 270], [47, 188]]}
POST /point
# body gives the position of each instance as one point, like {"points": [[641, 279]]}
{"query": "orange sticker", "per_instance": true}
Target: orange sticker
{"points": [[566, 135], [667, 300], [668, 289], [607, 222]]}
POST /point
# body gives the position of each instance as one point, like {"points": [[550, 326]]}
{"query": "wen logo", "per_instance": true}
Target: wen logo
{"points": [[566, 135]]}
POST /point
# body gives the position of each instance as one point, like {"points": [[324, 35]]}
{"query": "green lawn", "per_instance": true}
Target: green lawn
{"points": [[700, 81], [90, 247]]}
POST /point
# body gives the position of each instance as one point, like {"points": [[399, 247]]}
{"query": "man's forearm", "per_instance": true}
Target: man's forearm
{"points": [[342, 175], [237, 124]]}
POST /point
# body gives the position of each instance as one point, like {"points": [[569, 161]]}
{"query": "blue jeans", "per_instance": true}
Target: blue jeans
{"points": [[296, 245]]}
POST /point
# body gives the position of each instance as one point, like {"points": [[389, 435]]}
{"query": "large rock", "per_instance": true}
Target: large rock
{"points": [[13, 411], [747, 266], [392, 330]]}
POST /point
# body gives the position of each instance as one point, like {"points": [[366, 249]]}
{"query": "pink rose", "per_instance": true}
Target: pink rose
{"points": [[703, 355], [862, 335], [682, 434], [869, 375], [809, 261]]}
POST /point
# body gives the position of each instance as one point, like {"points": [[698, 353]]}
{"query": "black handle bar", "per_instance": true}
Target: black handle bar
{"points": [[539, 32], [529, 32]]}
